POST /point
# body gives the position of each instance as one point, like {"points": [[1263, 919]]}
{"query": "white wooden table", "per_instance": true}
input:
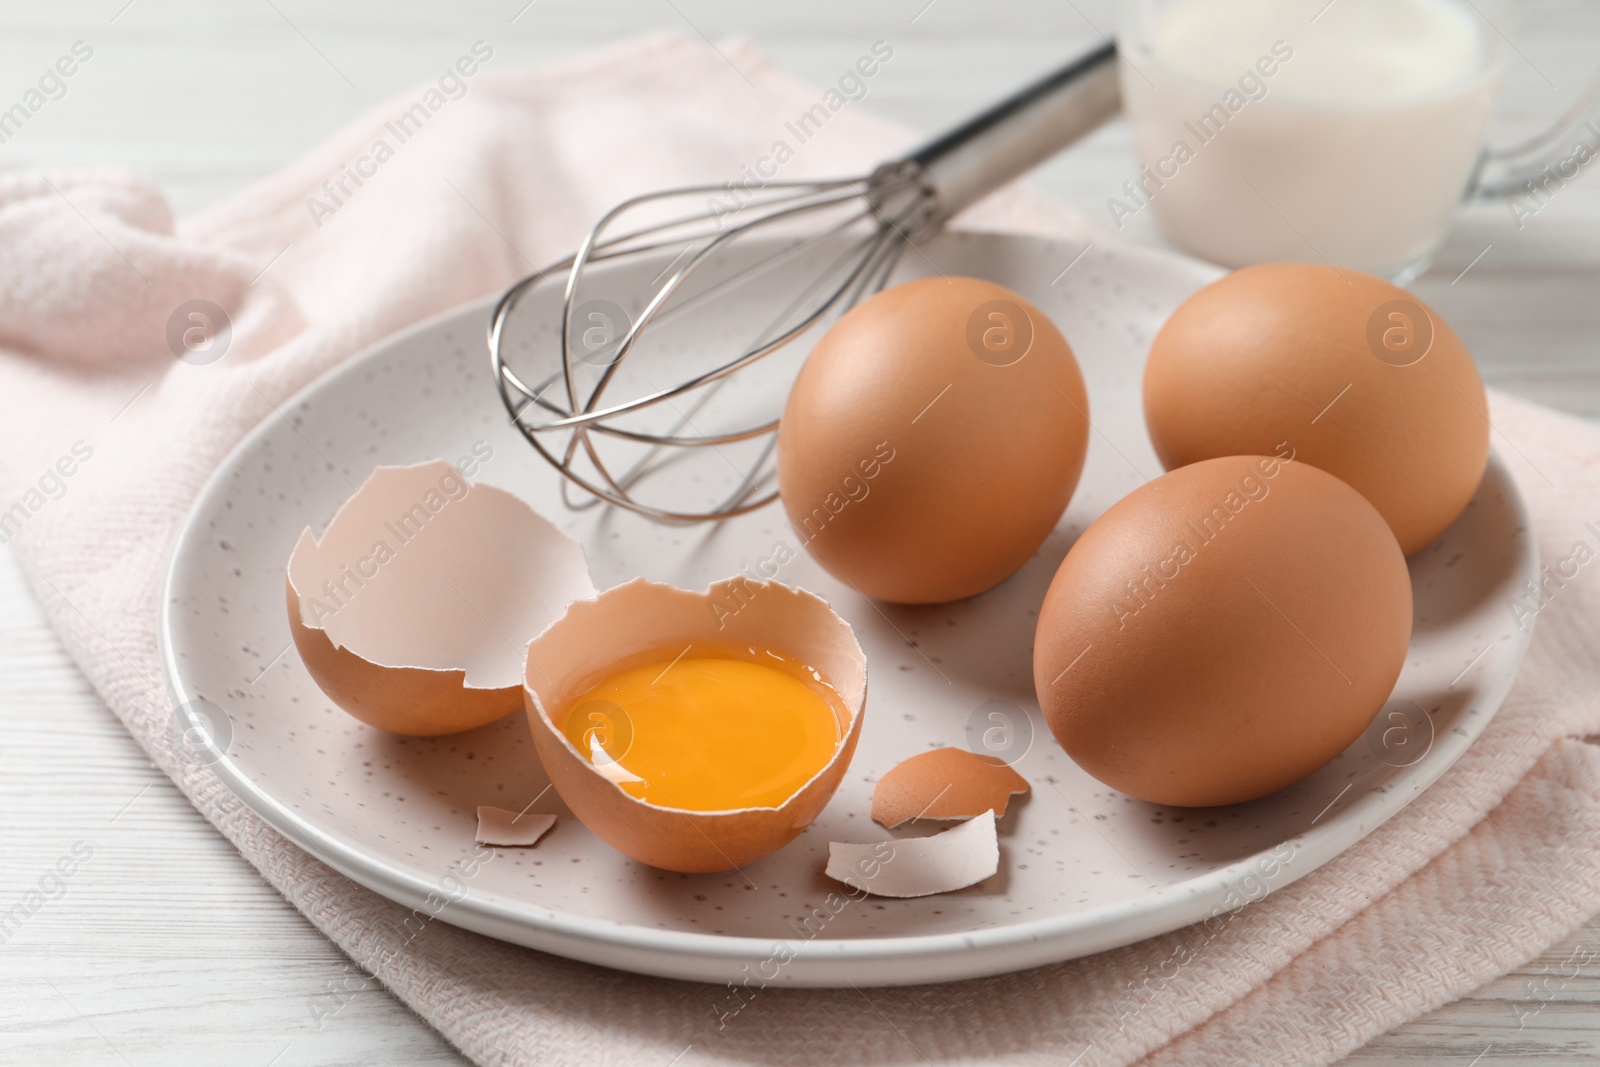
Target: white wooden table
{"points": [[167, 947]]}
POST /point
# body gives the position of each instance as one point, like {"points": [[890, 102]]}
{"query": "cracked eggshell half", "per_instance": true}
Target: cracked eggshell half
{"points": [[639, 617], [413, 610]]}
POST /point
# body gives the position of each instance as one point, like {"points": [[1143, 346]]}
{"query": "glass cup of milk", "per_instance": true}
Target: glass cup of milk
{"points": [[1344, 131]]}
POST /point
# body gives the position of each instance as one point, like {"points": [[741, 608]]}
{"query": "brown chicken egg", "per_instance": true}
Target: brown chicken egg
{"points": [[1359, 377], [1222, 631], [932, 440]]}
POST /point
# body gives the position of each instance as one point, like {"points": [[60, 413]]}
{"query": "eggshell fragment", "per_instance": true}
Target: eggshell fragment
{"points": [[920, 866], [945, 783], [413, 610], [638, 619], [498, 826]]}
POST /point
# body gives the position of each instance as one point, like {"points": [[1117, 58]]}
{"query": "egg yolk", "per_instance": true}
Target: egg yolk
{"points": [[709, 733]]}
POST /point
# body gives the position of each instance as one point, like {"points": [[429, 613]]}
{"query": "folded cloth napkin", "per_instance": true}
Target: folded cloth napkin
{"points": [[106, 439]]}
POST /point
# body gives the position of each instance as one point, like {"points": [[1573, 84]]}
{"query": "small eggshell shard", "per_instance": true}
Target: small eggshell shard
{"points": [[413, 609], [920, 866], [945, 783], [639, 618], [510, 829]]}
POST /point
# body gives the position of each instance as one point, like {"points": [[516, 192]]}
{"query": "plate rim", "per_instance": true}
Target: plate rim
{"points": [[699, 956]]}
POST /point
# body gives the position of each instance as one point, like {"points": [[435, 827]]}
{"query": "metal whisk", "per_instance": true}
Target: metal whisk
{"points": [[744, 243]]}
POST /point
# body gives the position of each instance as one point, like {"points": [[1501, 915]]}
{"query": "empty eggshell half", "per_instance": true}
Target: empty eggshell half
{"points": [[944, 783], [414, 610], [641, 617]]}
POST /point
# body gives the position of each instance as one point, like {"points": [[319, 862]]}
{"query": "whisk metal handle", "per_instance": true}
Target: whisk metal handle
{"points": [[1019, 132]]}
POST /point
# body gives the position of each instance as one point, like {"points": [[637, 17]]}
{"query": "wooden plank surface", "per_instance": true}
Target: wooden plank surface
{"points": [[165, 947]]}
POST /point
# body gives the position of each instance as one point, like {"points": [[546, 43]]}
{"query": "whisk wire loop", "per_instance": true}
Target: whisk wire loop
{"points": [[740, 243]]}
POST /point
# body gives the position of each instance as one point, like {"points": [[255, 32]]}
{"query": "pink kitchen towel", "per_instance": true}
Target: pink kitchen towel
{"points": [[485, 176]]}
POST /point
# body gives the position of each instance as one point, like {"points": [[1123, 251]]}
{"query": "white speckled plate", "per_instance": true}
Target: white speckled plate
{"points": [[1082, 868]]}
